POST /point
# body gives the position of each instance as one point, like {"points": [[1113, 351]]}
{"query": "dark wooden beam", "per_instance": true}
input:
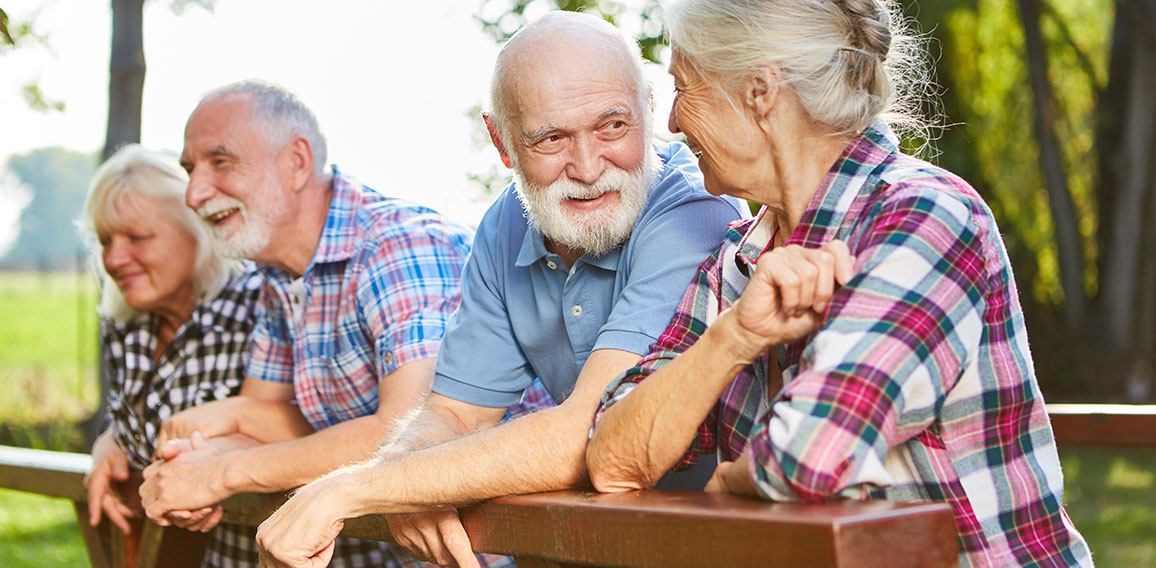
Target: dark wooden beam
{"points": [[1125, 425]]}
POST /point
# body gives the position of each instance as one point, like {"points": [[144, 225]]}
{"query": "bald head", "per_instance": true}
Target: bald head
{"points": [[561, 45]]}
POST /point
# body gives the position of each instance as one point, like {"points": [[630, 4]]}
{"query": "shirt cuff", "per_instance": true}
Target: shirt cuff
{"points": [[473, 394], [631, 341]]}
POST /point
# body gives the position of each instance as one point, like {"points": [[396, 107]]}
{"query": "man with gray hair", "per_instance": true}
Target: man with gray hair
{"points": [[357, 290], [576, 269]]}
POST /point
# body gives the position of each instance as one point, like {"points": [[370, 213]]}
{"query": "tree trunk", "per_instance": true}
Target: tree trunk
{"points": [[126, 74], [1069, 248], [1128, 150]]}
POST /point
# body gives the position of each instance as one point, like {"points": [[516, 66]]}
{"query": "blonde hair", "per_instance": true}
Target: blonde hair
{"points": [[133, 173], [849, 62]]}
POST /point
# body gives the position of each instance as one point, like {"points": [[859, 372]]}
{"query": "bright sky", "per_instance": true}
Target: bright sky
{"points": [[390, 82]]}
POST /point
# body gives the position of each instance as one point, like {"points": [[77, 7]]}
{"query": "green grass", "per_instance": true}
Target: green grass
{"points": [[48, 347], [1111, 496], [38, 532]]}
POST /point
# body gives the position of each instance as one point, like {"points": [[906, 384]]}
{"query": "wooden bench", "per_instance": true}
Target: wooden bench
{"points": [[645, 528]]}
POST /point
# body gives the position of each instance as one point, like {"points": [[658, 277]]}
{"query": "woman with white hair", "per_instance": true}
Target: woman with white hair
{"points": [[176, 319], [861, 337]]}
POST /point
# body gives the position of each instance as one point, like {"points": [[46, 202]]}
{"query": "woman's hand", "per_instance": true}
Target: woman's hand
{"points": [[734, 477], [786, 297], [109, 464], [212, 420]]}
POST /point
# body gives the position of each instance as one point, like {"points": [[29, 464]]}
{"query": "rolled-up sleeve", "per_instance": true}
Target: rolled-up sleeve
{"points": [[410, 288]]}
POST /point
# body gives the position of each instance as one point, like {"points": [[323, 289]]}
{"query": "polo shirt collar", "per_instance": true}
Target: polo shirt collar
{"points": [[534, 250]]}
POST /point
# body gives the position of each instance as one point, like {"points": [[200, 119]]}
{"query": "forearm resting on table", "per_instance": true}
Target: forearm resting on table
{"points": [[645, 433]]}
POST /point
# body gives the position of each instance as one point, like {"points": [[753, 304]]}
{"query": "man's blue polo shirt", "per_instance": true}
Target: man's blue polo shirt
{"points": [[523, 315]]}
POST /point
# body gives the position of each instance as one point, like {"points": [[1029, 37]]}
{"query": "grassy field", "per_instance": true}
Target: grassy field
{"points": [[48, 377], [38, 532], [48, 347]]}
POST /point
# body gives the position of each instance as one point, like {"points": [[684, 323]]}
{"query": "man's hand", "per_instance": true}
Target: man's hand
{"points": [[733, 477], [435, 536], [109, 465], [786, 297], [212, 419], [186, 486], [302, 531]]}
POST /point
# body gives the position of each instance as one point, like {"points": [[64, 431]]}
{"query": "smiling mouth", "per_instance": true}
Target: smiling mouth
{"points": [[219, 216]]}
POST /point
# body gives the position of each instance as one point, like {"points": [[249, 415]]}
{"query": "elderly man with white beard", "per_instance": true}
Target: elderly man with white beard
{"points": [[357, 290], [576, 268]]}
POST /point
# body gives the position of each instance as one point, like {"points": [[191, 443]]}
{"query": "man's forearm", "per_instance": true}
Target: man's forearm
{"points": [[286, 465], [424, 427], [269, 422], [543, 451]]}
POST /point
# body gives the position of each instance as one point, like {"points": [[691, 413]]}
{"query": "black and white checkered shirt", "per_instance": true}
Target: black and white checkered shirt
{"points": [[205, 361]]}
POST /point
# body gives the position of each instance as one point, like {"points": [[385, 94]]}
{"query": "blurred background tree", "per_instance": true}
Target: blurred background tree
{"points": [[56, 180], [1066, 165]]}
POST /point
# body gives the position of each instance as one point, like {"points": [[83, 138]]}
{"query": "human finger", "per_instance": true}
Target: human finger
{"points": [[408, 536], [117, 513], [210, 520], [97, 483], [844, 261], [455, 541], [783, 278], [824, 285]]}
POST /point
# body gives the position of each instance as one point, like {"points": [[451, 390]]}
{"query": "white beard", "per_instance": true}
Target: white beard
{"points": [[592, 232], [253, 230]]}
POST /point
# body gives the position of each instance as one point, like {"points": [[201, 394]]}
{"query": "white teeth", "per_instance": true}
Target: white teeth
{"points": [[219, 216]]}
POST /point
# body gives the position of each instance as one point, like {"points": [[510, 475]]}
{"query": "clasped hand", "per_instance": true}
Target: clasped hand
{"points": [[788, 294], [184, 488]]}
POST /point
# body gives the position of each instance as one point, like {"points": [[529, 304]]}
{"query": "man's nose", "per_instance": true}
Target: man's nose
{"points": [[587, 163], [199, 191]]}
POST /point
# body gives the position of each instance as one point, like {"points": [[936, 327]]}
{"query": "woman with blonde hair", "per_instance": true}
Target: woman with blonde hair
{"points": [[176, 319], [861, 337]]}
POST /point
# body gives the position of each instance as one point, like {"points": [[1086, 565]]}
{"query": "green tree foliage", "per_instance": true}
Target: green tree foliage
{"points": [[1050, 116], [48, 236], [501, 18]]}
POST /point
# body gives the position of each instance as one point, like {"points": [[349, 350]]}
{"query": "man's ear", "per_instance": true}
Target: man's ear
{"points": [[298, 159], [761, 90], [497, 141]]}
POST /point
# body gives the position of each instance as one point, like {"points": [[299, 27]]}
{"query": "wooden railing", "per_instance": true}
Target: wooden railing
{"points": [[644, 528], [1123, 425]]}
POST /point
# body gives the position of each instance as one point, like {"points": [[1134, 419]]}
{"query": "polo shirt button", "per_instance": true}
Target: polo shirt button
{"points": [[389, 357], [296, 300], [576, 310], [553, 265]]}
